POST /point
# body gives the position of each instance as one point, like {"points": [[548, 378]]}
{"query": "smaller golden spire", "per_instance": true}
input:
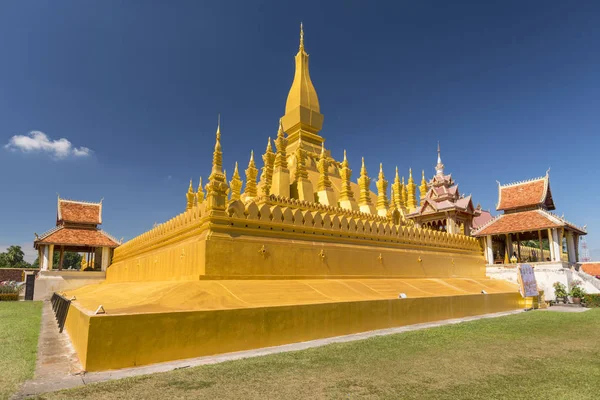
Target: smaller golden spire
{"points": [[190, 197], [404, 194], [323, 166], [236, 184], [281, 144], [423, 188], [382, 184], [301, 47], [266, 176], [301, 172], [412, 192], [346, 173], [251, 174], [218, 153], [200, 193], [363, 182], [397, 191]]}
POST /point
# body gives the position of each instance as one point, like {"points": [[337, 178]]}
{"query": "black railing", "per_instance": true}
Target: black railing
{"points": [[60, 306]]}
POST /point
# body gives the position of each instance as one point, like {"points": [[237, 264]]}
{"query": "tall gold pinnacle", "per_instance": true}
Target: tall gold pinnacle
{"points": [[217, 188], [404, 194], [382, 184], [346, 173], [301, 47], [412, 192], [364, 182], [251, 173], [281, 144], [200, 193], [423, 188], [397, 190], [322, 166], [190, 197], [301, 172], [266, 176], [217, 165], [236, 184]]}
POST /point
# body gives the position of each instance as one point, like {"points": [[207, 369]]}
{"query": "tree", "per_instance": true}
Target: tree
{"points": [[71, 260], [13, 257]]}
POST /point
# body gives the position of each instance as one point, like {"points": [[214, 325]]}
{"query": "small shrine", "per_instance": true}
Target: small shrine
{"points": [[443, 208], [526, 217], [77, 231]]}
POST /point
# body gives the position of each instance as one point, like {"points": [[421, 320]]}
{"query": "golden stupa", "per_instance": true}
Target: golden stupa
{"points": [[304, 253]]}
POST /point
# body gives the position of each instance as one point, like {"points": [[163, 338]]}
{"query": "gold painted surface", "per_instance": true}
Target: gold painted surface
{"points": [[142, 297], [126, 340]]}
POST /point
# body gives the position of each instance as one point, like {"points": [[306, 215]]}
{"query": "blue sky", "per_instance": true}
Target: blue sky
{"points": [[135, 87]]}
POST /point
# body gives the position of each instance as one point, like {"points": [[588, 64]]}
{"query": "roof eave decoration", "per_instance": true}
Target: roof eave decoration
{"points": [[545, 178]]}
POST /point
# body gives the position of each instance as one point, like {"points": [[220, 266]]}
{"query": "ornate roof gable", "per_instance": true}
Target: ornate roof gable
{"points": [[525, 194]]}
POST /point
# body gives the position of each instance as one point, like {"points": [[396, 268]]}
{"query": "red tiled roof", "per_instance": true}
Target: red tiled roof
{"points": [[520, 222], [77, 237], [79, 212], [483, 218], [525, 194], [591, 268]]}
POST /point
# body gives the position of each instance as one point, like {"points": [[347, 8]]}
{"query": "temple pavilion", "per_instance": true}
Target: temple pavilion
{"points": [[443, 208], [526, 208], [77, 231]]}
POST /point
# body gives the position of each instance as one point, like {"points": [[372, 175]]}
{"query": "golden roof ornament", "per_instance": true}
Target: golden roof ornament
{"points": [[322, 166], [251, 173], [397, 191], [266, 176], [301, 172], [302, 110], [412, 192], [281, 144], [346, 192], [190, 197], [217, 187], [382, 184], [423, 188], [236, 184], [364, 182], [200, 193], [301, 47]]}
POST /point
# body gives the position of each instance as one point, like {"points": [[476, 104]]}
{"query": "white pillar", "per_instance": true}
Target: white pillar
{"points": [[489, 251], [44, 259], [555, 245], [50, 256], [571, 247], [105, 258]]}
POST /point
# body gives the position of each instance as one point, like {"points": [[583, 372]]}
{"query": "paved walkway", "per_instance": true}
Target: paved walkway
{"points": [[567, 308], [58, 367]]}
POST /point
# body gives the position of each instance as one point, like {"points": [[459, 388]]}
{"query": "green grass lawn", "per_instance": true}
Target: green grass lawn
{"points": [[19, 331], [533, 355]]}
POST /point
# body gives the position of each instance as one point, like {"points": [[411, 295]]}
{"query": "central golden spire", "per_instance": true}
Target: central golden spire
{"points": [[302, 111]]}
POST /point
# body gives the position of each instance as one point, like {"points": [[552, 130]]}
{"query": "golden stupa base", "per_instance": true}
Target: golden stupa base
{"points": [[151, 322]]}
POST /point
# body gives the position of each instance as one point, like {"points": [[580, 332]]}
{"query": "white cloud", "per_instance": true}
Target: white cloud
{"points": [[39, 142]]}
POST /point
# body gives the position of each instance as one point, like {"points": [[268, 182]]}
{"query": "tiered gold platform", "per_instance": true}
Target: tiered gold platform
{"points": [[162, 321], [304, 254], [248, 278]]}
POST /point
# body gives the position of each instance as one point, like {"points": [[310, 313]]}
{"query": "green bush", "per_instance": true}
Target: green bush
{"points": [[592, 300], [576, 290], [560, 291], [9, 296], [10, 288]]}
